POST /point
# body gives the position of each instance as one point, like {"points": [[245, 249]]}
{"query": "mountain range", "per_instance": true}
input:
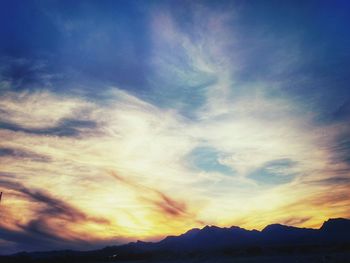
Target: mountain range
{"points": [[333, 235]]}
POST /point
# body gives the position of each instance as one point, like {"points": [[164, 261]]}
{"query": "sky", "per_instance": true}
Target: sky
{"points": [[134, 120]]}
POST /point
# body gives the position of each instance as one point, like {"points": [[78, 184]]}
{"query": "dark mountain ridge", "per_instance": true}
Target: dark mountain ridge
{"points": [[212, 237], [333, 234]]}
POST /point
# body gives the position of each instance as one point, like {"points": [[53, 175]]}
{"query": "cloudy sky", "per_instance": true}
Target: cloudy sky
{"points": [[127, 120]]}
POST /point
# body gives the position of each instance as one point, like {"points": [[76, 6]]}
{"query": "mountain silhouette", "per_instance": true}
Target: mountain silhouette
{"points": [[332, 236], [336, 225], [213, 237]]}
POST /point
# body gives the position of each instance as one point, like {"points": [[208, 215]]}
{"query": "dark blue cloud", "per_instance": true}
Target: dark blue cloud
{"points": [[65, 128], [23, 74], [22, 154]]}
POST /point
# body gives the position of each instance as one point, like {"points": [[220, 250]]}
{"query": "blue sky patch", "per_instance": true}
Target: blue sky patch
{"points": [[275, 172], [208, 159]]}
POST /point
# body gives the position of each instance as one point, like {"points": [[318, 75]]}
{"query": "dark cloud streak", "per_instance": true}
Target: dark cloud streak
{"points": [[47, 228], [22, 154], [165, 204], [65, 128]]}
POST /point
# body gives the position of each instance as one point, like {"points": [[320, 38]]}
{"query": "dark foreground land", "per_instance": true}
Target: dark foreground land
{"points": [[328, 257], [300, 258], [272, 259], [275, 243]]}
